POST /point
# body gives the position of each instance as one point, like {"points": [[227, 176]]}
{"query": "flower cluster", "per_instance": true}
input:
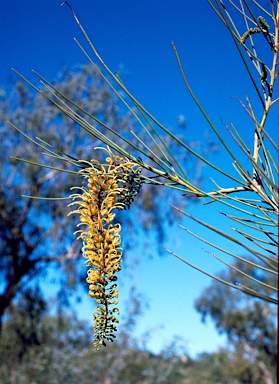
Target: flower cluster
{"points": [[109, 187], [264, 27]]}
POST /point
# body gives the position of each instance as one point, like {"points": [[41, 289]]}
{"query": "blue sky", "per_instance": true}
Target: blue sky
{"points": [[137, 35]]}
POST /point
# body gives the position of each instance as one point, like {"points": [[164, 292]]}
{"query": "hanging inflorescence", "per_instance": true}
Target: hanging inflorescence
{"points": [[263, 28], [110, 187]]}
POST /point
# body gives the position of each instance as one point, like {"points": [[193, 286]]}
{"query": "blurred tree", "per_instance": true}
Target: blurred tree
{"points": [[250, 326], [211, 368], [37, 347], [35, 234]]}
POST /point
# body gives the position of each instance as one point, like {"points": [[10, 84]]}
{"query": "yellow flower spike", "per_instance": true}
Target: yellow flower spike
{"points": [[110, 187]]}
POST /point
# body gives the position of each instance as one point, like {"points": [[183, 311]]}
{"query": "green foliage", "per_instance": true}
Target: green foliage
{"points": [[250, 326], [39, 347], [212, 369], [60, 349]]}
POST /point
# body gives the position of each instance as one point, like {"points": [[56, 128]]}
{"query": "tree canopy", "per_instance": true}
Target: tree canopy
{"points": [[250, 326]]}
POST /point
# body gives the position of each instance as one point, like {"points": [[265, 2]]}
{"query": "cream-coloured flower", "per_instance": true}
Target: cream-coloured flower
{"points": [[109, 187]]}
